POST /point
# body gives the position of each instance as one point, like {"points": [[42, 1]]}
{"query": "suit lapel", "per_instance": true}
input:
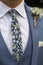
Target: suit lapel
{"points": [[35, 36], [35, 40]]}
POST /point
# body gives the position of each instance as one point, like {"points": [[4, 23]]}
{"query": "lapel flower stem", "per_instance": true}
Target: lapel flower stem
{"points": [[34, 23], [35, 19]]}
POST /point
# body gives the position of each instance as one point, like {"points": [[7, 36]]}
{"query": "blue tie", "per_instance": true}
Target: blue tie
{"points": [[16, 37]]}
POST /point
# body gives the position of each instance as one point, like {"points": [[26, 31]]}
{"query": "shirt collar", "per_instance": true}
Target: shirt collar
{"points": [[4, 9]]}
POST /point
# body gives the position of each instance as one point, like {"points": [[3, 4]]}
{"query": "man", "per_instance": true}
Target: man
{"points": [[32, 37]]}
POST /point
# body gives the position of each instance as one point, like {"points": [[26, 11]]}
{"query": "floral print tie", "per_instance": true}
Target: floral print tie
{"points": [[17, 48]]}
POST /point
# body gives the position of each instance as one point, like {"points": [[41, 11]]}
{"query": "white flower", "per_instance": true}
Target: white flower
{"points": [[35, 11]]}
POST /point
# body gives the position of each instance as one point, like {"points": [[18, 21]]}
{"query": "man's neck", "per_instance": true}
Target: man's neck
{"points": [[12, 3]]}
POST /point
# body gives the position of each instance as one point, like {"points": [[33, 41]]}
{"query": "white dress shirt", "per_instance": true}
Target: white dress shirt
{"points": [[5, 25]]}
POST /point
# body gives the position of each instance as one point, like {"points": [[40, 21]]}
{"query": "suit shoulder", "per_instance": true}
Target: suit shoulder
{"points": [[27, 7]]}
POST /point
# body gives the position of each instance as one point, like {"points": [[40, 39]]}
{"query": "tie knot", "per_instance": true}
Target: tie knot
{"points": [[12, 12]]}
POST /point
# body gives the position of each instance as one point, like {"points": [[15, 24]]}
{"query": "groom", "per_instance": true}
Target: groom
{"points": [[32, 37]]}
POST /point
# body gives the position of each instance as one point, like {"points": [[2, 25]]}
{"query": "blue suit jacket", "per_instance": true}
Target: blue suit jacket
{"points": [[33, 54]]}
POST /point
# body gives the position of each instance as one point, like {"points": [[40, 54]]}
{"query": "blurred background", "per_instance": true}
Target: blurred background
{"points": [[36, 3]]}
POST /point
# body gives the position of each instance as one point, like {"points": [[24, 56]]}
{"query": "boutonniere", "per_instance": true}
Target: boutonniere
{"points": [[36, 14]]}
